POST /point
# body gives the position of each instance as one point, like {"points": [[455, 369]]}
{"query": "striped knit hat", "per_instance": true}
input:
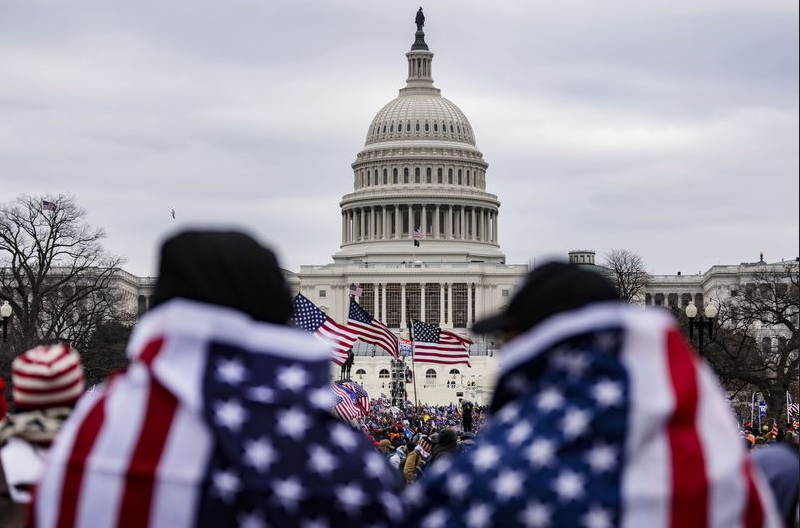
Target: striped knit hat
{"points": [[47, 376]]}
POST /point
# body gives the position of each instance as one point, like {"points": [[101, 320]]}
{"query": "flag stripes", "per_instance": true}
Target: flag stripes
{"points": [[340, 338], [434, 345], [371, 330]]}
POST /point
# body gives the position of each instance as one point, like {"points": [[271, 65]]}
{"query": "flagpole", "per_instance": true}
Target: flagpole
{"points": [[413, 364], [788, 419]]}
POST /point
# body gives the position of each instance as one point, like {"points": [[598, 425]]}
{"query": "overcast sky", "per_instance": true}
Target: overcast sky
{"points": [[667, 128]]}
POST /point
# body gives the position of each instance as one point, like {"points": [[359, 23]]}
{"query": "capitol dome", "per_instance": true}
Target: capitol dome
{"points": [[420, 179], [420, 116]]}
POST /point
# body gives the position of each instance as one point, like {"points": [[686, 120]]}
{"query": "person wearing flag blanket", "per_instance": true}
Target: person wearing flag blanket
{"points": [[222, 419], [602, 417]]}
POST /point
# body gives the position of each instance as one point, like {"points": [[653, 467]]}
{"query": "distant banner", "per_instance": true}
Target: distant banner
{"points": [[405, 347]]}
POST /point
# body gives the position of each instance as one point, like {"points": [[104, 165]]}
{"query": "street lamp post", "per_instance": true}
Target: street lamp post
{"points": [[704, 323], [5, 314]]}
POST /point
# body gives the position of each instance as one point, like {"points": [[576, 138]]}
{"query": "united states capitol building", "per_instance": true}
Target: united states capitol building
{"points": [[421, 168]]}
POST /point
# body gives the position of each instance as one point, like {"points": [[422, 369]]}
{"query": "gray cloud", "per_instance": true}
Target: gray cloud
{"points": [[669, 129]]}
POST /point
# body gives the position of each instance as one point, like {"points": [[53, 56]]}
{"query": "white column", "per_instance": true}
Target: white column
{"points": [[441, 304], [474, 225], [361, 222], [436, 223], [410, 220], [395, 233], [478, 299], [344, 230], [385, 233], [463, 223], [450, 304], [403, 305], [424, 220], [383, 304], [449, 226], [494, 228], [469, 305], [376, 300], [422, 302]]}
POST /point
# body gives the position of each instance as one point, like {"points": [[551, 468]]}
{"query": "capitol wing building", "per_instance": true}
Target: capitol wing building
{"points": [[420, 170]]}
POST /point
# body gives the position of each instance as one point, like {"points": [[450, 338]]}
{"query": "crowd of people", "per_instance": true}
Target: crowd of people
{"points": [[602, 417]]}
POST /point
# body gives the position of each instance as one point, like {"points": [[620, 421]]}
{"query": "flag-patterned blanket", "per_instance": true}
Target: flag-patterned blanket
{"points": [[602, 417], [220, 421]]}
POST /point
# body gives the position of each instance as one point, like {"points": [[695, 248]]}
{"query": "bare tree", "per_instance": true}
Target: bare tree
{"points": [[54, 272], [627, 271], [756, 346]]}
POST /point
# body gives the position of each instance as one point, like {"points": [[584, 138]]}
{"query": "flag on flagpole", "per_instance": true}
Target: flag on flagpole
{"points": [[370, 330], [48, 206], [362, 398], [356, 291], [308, 317], [346, 404], [791, 407], [434, 345], [418, 235]]}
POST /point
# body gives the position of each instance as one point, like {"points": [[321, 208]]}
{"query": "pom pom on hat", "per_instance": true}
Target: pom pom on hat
{"points": [[47, 376]]}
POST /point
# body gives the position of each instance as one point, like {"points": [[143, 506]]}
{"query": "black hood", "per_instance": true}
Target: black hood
{"points": [[225, 268]]}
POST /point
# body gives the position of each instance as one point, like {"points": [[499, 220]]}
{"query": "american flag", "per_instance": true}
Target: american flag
{"points": [[219, 421], [362, 397], [345, 404], [48, 206], [434, 345], [791, 407], [370, 330], [418, 233], [339, 337], [602, 418], [356, 291]]}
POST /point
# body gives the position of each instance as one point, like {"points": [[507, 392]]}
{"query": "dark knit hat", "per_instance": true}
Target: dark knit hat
{"points": [[226, 268], [549, 289]]}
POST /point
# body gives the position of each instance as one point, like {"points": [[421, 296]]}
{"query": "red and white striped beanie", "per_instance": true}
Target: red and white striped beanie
{"points": [[47, 376]]}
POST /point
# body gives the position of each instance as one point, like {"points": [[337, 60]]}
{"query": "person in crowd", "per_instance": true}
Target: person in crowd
{"points": [[398, 457], [385, 447], [466, 415], [446, 445], [47, 381], [779, 462], [416, 459], [601, 416], [223, 417]]}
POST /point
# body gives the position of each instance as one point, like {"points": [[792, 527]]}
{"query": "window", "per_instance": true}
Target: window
{"points": [[417, 126], [323, 294], [385, 176], [416, 175], [361, 373], [469, 178], [384, 129], [459, 176], [439, 175], [505, 293], [383, 374], [430, 374], [394, 175], [432, 302], [453, 372], [459, 305], [391, 127], [428, 176], [393, 305], [413, 301], [450, 176], [405, 175], [427, 127], [408, 127]]}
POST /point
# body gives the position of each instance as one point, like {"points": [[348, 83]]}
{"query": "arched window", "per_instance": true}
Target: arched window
{"points": [[384, 129], [428, 175], [384, 373], [408, 127], [385, 176], [375, 177], [394, 175], [416, 175], [405, 175], [459, 176], [427, 127], [450, 176], [430, 374], [436, 127], [391, 127], [439, 175], [451, 129], [417, 126], [361, 373], [454, 372]]}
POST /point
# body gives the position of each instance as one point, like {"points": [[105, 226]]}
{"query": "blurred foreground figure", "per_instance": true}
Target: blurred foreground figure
{"points": [[222, 418], [47, 381], [602, 417]]}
